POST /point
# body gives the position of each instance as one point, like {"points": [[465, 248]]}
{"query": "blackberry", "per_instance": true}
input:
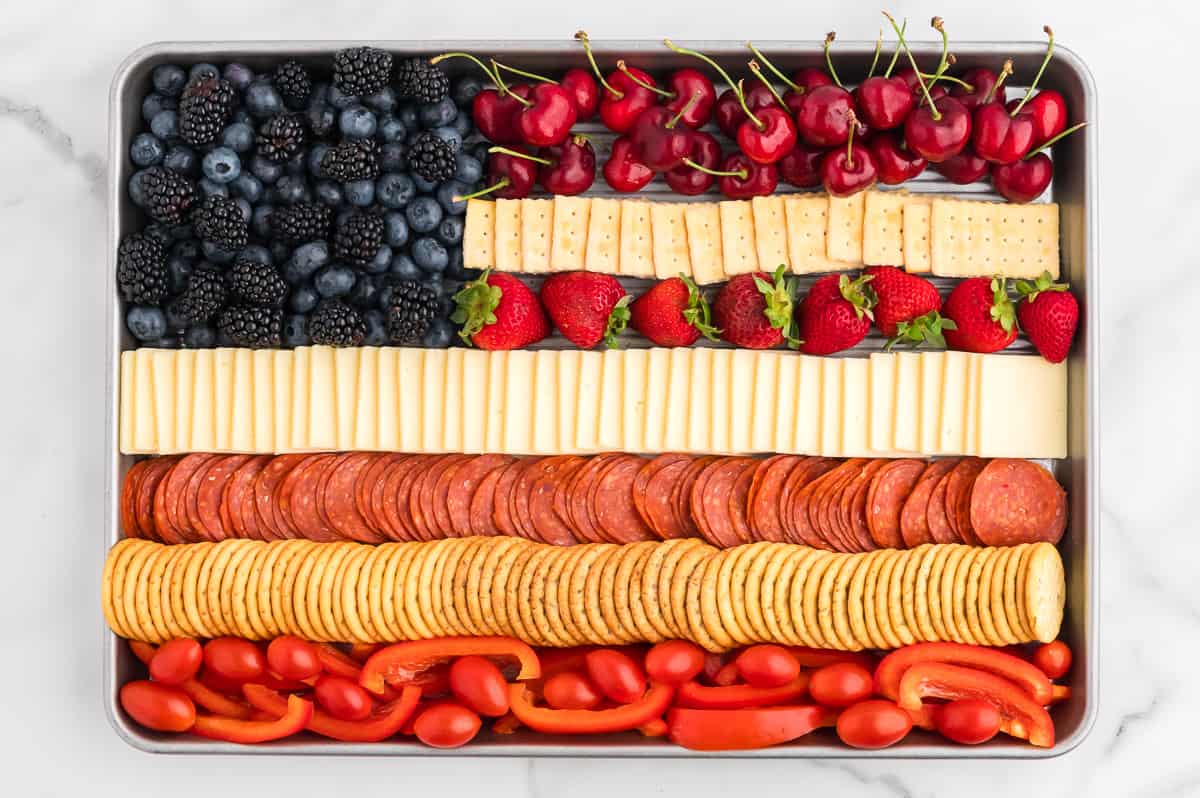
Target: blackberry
{"points": [[418, 79], [219, 221], [254, 327], [410, 311], [167, 194], [204, 296], [359, 237], [281, 137], [257, 283], [432, 158], [300, 223], [360, 71], [355, 159], [293, 82], [204, 109], [142, 269], [334, 323]]}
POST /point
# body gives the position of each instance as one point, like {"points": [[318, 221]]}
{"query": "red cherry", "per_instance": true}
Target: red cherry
{"points": [[686, 179], [572, 167], [585, 94], [979, 88], [770, 138], [884, 102], [964, 168], [619, 113], [727, 113], [896, 162], [939, 131], [1025, 180], [623, 171], [659, 140], [1000, 137], [685, 84], [511, 173], [759, 96], [1048, 110], [802, 166], [823, 119], [494, 115], [847, 171], [803, 81], [548, 118], [746, 178]]}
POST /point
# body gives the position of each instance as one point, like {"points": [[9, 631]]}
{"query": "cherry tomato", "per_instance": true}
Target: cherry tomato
{"points": [[447, 725], [727, 675], [570, 690], [176, 661], [616, 674], [234, 659], [479, 684], [293, 658], [840, 684], [158, 706], [767, 665], [342, 698], [1054, 659], [674, 662], [969, 721], [877, 723]]}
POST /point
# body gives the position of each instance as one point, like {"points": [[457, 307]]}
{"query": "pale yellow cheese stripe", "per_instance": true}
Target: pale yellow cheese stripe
{"points": [[452, 397], [204, 437], [185, 378], [162, 365], [366, 400]]}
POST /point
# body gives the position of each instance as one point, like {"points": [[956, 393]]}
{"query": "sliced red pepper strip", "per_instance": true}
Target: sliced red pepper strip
{"points": [[293, 721], [214, 702], [143, 651], [1021, 716], [656, 727], [744, 729], [361, 652], [727, 675], [589, 721], [739, 696], [820, 657], [1026, 675], [385, 721], [339, 664], [506, 724], [1059, 693], [409, 663]]}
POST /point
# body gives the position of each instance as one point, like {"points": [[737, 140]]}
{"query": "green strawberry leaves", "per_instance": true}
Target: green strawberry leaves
{"points": [[475, 306], [781, 298], [698, 313], [618, 319], [1003, 311], [925, 329], [1044, 282], [859, 294]]}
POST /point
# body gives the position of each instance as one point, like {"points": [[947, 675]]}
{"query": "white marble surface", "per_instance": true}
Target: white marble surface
{"points": [[56, 59]]}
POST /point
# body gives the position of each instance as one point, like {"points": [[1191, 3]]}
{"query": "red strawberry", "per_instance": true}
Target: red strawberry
{"points": [[587, 307], [498, 311], [836, 314], [908, 307], [1049, 315], [984, 317], [673, 313], [755, 313]]}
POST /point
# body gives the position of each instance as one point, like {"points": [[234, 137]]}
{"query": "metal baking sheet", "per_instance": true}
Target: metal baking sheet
{"points": [[1074, 188]]}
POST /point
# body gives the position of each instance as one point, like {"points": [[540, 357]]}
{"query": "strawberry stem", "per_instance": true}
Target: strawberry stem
{"points": [[621, 67], [523, 73], [829, 37], [933, 111], [875, 58], [519, 154], [476, 303], [1049, 52], [698, 313], [1049, 142], [1005, 71], [618, 320], [791, 84], [895, 53], [491, 75], [754, 67], [582, 38]]}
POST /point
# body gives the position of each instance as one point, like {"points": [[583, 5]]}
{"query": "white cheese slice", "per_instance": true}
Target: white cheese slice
{"points": [[263, 368], [587, 414], [322, 399], [145, 429], [809, 401], [567, 395], [700, 414], [163, 372], [345, 393], [387, 401], [610, 432], [452, 418], [125, 411], [241, 422], [284, 366], [766, 393], [856, 407], [741, 397], [906, 420], [1022, 407], [722, 398], [679, 393], [410, 367], [633, 412], [658, 374], [204, 423], [366, 400], [433, 399], [882, 376], [518, 402], [185, 381], [932, 370], [544, 400], [223, 398], [787, 385], [474, 387], [952, 419], [831, 406]]}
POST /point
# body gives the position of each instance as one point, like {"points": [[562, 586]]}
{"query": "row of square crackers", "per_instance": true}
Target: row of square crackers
{"points": [[806, 233]]}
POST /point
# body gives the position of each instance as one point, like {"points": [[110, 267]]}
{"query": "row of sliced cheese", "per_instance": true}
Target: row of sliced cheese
{"points": [[806, 233], [552, 402]]}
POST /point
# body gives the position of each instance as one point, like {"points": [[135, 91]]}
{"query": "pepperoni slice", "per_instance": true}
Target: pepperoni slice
{"points": [[828, 519], [935, 513], [885, 499], [561, 501], [854, 503], [239, 499], [579, 491], [169, 497], [661, 508], [147, 488], [370, 479], [393, 499], [642, 481], [300, 491], [440, 495], [501, 509], [808, 523], [958, 497], [483, 502], [914, 523], [518, 500], [739, 501], [1016, 501], [338, 495], [795, 497], [616, 515], [188, 511], [129, 486], [547, 526], [266, 487], [710, 500], [461, 490], [211, 494], [766, 492], [681, 495]]}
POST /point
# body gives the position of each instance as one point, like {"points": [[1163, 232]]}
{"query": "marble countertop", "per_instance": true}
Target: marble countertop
{"points": [[56, 60]]}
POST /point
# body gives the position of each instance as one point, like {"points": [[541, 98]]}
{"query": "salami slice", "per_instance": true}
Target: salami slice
{"points": [[502, 510], [391, 503], [239, 498], [794, 500], [461, 491], [562, 496], [519, 499], [766, 493], [739, 501], [855, 503], [266, 489], [661, 507], [299, 493], [885, 499], [337, 495], [616, 515], [188, 511], [1016, 501], [642, 482], [129, 487], [935, 513], [210, 496], [914, 523], [710, 500], [579, 494], [483, 502], [547, 526], [147, 488], [827, 523], [168, 499], [369, 479], [420, 497], [681, 495], [958, 497], [439, 495]]}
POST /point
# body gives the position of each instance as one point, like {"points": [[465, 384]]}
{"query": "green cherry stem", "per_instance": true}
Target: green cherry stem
{"points": [[660, 92], [933, 111], [875, 58], [852, 118], [939, 25], [741, 174], [791, 84], [673, 121], [1049, 52], [1053, 140], [523, 73], [483, 192], [737, 87], [829, 37], [504, 86], [519, 154], [895, 53], [757, 70], [1005, 71], [582, 38], [495, 78]]}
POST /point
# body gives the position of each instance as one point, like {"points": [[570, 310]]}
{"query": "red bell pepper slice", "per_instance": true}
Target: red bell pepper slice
{"points": [[361, 652], [727, 675], [1060, 693], [1021, 716], [231, 730], [216, 703], [589, 721], [1026, 675], [739, 696], [820, 657], [385, 721], [143, 651], [506, 724], [335, 662], [655, 727], [744, 729], [411, 662]]}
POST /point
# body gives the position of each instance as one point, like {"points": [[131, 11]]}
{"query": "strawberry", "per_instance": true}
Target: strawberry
{"points": [[906, 299], [587, 307], [984, 317], [673, 313], [836, 313], [498, 311], [754, 313], [1049, 314]]}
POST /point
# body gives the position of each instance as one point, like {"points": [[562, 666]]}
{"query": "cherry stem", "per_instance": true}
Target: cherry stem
{"points": [[504, 86], [1053, 140], [519, 154], [791, 84], [852, 118], [580, 139], [1041, 69], [875, 58], [523, 73], [933, 111], [741, 174], [741, 96], [938, 25], [582, 38], [950, 79], [503, 182], [697, 54], [673, 121], [660, 92], [1005, 71], [895, 53], [754, 67], [494, 77], [829, 37]]}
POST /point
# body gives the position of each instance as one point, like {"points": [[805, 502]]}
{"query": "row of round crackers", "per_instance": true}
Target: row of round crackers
{"points": [[591, 593]]}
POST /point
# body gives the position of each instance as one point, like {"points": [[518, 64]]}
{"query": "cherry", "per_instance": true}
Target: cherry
{"points": [[742, 178], [624, 98], [939, 128], [802, 166], [964, 168], [799, 84], [494, 110], [884, 102], [760, 96], [977, 83], [896, 162], [823, 118], [658, 139], [623, 171], [694, 176], [728, 112], [548, 117], [1026, 179], [570, 167], [846, 172], [512, 173], [1048, 110], [1001, 136], [691, 95], [585, 94]]}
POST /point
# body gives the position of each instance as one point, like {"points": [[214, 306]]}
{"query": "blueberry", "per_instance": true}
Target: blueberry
{"points": [[423, 214], [200, 336], [392, 129], [189, 250], [244, 207], [136, 192], [395, 229], [321, 119], [290, 189], [480, 150], [437, 114], [380, 263], [154, 104], [222, 165], [456, 271], [327, 192], [168, 79], [393, 157], [146, 322], [343, 215], [239, 75], [360, 193], [216, 253], [249, 187], [280, 251], [319, 96], [450, 135], [165, 125], [178, 271], [376, 329], [181, 159], [429, 254], [146, 150], [404, 267], [334, 281], [447, 192], [295, 330], [315, 155], [341, 101], [238, 137], [467, 168], [450, 231], [357, 122], [265, 170], [383, 100], [408, 116], [297, 165], [423, 185], [303, 299], [464, 90], [439, 335], [263, 99], [395, 190], [241, 115], [258, 254], [212, 188], [310, 257], [462, 123], [203, 69], [365, 293], [260, 221]]}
